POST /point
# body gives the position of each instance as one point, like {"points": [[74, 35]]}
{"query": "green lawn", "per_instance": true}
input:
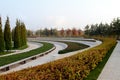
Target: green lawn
{"points": [[72, 46], [12, 58], [9, 52], [93, 75]]}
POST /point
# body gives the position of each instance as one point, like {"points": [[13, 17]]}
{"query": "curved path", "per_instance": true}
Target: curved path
{"points": [[91, 44], [41, 60], [53, 55], [111, 71], [31, 46]]}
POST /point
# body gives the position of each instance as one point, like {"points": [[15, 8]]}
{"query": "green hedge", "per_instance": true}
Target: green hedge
{"points": [[72, 46]]}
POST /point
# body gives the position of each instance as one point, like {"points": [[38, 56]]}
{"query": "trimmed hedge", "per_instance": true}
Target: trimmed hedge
{"points": [[76, 67], [72, 46], [93, 75]]}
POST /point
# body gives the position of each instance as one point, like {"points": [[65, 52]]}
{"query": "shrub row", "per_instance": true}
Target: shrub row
{"points": [[76, 67], [72, 46]]}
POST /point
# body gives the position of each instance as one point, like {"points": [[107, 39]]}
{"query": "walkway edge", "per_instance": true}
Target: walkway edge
{"points": [[23, 61]]}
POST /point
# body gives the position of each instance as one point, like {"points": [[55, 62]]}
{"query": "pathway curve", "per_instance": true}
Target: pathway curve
{"points": [[31, 46], [91, 44], [41, 60], [53, 55], [111, 71]]}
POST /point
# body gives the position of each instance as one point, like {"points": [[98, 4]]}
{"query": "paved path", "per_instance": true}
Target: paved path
{"points": [[53, 55], [111, 70], [41, 60], [31, 46], [91, 44]]}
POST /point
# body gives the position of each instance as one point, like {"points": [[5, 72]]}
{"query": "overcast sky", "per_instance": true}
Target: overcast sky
{"points": [[37, 14]]}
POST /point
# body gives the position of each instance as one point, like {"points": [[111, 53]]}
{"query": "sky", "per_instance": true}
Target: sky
{"points": [[40, 14]]}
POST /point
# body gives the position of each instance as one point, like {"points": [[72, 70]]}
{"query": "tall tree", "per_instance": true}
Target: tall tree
{"points": [[46, 32], [30, 33], [2, 45], [68, 32], [116, 25], [87, 32], [62, 32], [23, 34], [74, 32], [17, 42], [13, 31], [20, 35], [7, 35]]}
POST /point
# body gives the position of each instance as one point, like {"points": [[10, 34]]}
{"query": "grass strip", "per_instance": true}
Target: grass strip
{"points": [[93, 75], [72, 46], [9, 52], [16, 57]]}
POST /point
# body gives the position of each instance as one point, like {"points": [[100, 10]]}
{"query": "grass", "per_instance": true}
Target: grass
{"points": [[72, 46], [89, 40], [16, 57], [9, 52], [93, 75], [4, 53]]}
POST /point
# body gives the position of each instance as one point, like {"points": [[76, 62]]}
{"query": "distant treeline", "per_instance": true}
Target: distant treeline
{"points": [[55, 33], [12, 39], [112, 29]]}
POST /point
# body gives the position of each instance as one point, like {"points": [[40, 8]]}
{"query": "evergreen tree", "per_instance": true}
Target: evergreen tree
{"points": [[2, 46], [23, 34], [20, 35], [116, 26], [13, 34], [17, 42], [7, 35]]}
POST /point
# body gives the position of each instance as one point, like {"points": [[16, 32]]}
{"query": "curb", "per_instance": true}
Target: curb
{"points": [[23, 61]]}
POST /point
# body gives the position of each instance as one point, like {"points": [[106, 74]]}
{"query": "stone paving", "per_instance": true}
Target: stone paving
{"points": [[111, 70]]}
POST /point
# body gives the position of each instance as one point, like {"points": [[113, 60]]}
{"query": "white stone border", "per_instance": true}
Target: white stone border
{"points": [[23, 61]]}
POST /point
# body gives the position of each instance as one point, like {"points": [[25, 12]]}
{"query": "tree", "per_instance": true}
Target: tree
{"points": [[23, 34], [13, 31], [87, 29], [74, 32], [46, 32], [2, 45], [38, 33], [20, 35], [116, 25], [17, 42], [30, 33], [62, 32], [7, 35], [80, 32], [69, 32]]}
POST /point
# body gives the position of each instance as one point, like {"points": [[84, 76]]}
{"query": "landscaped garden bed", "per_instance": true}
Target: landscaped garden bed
{"points": [[72, 46], [76, 67]]}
